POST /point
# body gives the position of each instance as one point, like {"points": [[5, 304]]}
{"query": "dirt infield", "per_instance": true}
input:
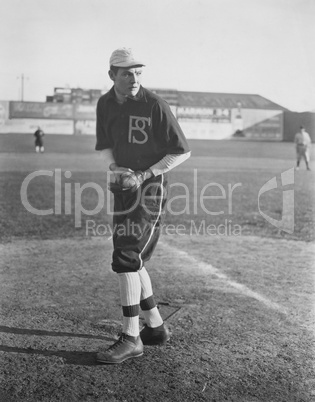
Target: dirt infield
{"points": [[241, 332]]}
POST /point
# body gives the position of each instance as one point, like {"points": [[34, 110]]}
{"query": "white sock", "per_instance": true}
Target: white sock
{"points": [[151, 313], [130, 290]]}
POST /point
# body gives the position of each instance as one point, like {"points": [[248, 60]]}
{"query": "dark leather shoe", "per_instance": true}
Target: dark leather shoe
{"points": [[125, 348], [155, 336]]}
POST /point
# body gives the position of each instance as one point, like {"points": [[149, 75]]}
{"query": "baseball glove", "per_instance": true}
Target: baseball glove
{"points": [[131, 180], [125, 179], [118, 171]]}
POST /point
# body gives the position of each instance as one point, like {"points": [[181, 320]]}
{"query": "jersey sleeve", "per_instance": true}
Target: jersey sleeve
{"points": [[169, 129], [102, 140]]}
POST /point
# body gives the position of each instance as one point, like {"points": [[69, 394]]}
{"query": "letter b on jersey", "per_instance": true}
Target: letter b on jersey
{"points": [[137, 133]]}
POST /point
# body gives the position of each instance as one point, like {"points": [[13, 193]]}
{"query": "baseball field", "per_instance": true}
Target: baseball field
{"points": [[233, 275]]}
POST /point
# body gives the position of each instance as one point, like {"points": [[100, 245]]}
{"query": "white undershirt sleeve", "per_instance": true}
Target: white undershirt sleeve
{"points": [[168, 163], [107, 157]]}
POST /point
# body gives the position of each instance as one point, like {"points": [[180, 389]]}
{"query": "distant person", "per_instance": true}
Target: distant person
{"points": [[302, 142], [39, 142]]}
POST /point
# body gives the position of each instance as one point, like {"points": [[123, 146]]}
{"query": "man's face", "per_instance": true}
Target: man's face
{"points": [[127, 80]]}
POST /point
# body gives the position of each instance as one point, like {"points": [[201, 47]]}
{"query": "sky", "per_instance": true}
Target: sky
{"points": [[263, 47]]}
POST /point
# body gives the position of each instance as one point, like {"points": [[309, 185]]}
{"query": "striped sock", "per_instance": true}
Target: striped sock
{"points": [[130, 289], [151, 313]]}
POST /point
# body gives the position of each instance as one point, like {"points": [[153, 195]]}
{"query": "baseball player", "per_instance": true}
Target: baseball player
{"points": [[39, 143], [140, 140], [302, 142]]}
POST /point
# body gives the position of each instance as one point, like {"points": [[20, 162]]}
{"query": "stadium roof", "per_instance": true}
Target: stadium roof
{"points": [[217, 100]]}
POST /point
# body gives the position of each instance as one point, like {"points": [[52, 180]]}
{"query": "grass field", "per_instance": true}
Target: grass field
{"points": [[236, 291]]}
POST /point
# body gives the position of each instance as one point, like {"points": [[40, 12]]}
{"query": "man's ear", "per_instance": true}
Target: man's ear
{"points": [[111, 75]]}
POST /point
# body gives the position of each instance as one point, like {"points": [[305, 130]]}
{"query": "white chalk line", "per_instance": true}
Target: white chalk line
{"points": [[242, 289]]}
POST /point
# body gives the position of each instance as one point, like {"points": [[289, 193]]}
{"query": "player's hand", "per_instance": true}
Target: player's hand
{"points": [[118, 171], [133, 180]]}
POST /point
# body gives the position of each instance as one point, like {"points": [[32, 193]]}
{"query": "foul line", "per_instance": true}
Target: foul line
{"points": [[243, 289]]}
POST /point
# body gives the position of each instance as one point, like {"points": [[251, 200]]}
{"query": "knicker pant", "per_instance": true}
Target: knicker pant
{"points": [[302, 152], [138, 218]]}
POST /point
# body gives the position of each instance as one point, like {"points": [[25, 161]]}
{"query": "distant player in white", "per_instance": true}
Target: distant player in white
{"points": [[302, 142]]}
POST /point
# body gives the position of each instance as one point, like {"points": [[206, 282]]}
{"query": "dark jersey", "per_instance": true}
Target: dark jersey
{"points": [[39, 134], [140, 131]]}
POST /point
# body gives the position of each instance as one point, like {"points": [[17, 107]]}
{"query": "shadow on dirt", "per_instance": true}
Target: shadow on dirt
{"points": [[24, 331], [77, 358], [69, 357]]}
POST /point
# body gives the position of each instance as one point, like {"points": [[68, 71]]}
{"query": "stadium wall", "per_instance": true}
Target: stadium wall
{"points": [[254, 124], [202, 123], [197, 122], [53, 118], [262, 124]]}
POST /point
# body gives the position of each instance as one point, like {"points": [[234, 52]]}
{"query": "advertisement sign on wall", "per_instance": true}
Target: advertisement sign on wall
{"points": [[217, 115], [50, 110], [205, 130], [39, 110], [84, 112]]}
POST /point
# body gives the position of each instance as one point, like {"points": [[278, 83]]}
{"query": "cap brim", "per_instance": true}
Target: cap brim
{"points": [[129, 64]]}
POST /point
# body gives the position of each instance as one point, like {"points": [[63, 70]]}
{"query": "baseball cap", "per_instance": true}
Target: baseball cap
{"points": [[124, 57]]}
